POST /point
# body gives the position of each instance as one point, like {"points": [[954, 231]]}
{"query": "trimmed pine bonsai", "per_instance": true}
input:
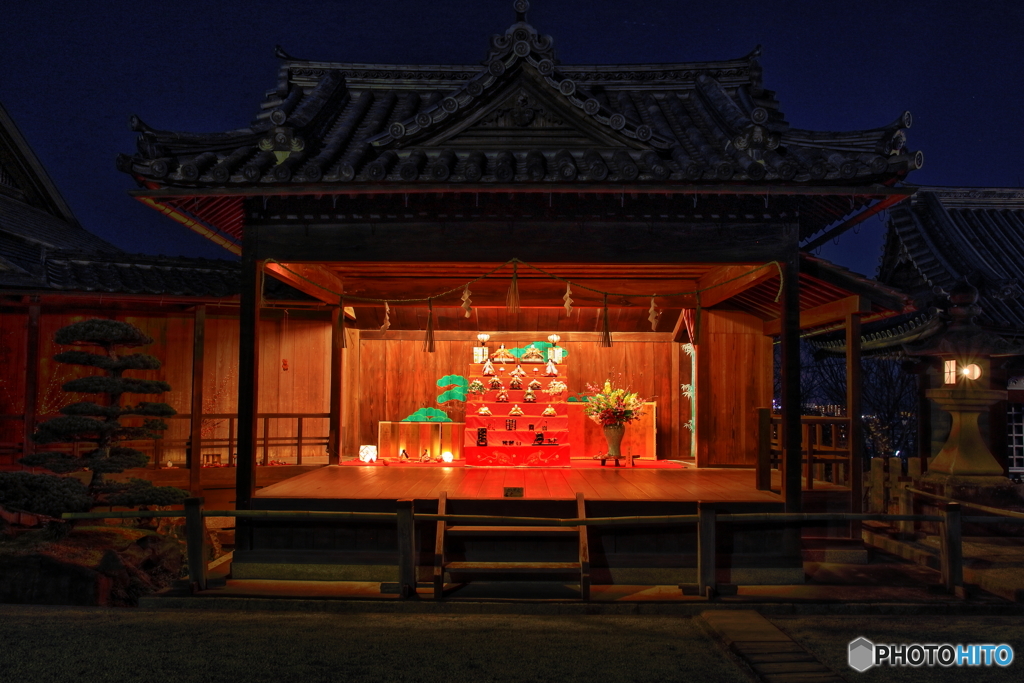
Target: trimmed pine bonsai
{"points": [[99, 421]]}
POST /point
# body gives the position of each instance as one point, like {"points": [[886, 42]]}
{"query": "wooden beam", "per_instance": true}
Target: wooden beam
{"points": [[855, 284], [852, 221], [309, 278], [515, 337], [531, 241], [533, 292], [726, 282], [194, 454], [834, 311]]}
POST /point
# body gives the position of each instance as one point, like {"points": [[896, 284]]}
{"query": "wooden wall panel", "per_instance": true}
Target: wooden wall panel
{"points": [[13, 356], [396, 377], [734, 379]]}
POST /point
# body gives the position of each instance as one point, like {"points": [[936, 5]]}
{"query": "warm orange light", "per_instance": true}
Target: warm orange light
{"points": [[972, 371]]}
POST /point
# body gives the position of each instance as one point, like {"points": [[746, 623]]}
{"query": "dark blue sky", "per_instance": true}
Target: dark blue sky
{"points": [[74, 71]]}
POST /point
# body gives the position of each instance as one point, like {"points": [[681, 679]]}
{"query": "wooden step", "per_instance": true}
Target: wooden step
{"points": [[513, 531], [514, 567]]}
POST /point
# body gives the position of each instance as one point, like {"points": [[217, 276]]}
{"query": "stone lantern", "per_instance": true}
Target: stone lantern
{"points": [[966, 351]]}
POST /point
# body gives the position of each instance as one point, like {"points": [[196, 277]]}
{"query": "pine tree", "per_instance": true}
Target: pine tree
{"points": [[99, 421]]}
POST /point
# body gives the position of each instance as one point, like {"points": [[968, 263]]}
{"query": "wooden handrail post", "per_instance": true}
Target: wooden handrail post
{"points": [[231, 441], [764, 449], [298, 444], [952, 549], [266, 441], [406, 549], [807, 433], [195, 538], [906, 527], [584, 549], [706, 583], [194, 452]]}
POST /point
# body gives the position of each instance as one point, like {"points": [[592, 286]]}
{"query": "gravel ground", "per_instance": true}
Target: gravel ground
{"points": [[827, 637], [94, 645]]}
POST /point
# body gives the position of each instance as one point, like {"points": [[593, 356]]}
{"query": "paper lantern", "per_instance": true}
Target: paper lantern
{"points": [[368, 453]]}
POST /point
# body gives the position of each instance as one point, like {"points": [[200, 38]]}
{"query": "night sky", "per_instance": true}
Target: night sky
{"points": [[73, 72]]}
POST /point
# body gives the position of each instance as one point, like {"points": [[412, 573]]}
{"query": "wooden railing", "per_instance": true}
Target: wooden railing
{"points": [[706, 520], [824, 441], [214, 450]]}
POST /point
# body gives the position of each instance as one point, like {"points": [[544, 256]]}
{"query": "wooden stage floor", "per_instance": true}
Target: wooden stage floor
{"points": [[595, 483]]}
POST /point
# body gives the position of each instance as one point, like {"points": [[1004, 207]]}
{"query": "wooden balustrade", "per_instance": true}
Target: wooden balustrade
{"points": [[157, 448], [824, 440]]}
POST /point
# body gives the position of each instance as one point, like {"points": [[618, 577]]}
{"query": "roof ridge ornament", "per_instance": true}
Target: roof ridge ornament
{"points": [[521, 7]]}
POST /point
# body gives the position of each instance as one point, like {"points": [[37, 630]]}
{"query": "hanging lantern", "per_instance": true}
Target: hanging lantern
{"points": [[480, 353], [555, 352]]}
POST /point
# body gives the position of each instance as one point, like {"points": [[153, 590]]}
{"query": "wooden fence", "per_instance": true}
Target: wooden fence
{"points": [[707, 520], [215, 450]]}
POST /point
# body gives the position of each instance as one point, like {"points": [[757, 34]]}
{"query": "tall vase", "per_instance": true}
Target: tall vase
{"points": [[613, 435]]}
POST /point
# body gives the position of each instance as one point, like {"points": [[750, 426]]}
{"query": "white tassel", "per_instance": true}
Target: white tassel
{"points": [[428, 342], [568, 300], [387, 318], [606, 333], [512, 300], [653, 315], [467, 302]]}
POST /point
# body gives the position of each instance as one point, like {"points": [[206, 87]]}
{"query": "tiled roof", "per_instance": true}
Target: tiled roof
{"points": [[80, 271], [140, 274], [945, 235], [521, 117]]}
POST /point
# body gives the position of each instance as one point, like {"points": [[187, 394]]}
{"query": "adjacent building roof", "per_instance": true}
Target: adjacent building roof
{"points": [[944, 236], [518, 118], [78, 271], [34, 218]]}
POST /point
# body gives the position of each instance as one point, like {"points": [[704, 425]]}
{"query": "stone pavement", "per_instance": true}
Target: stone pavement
{"points": [[769, 653]]}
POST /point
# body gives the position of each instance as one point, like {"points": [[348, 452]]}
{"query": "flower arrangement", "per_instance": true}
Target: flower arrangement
{"points": [[609, 406]]}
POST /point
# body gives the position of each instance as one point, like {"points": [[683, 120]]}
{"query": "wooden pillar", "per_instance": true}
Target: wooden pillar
{"points": [[195, 540], [248, 371], [406, 549], [924, 415], [701, 393], [336, 423], [194, 455], [791, 431], [675, 444], [31, 377], [706, 550], [854, 384]]}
